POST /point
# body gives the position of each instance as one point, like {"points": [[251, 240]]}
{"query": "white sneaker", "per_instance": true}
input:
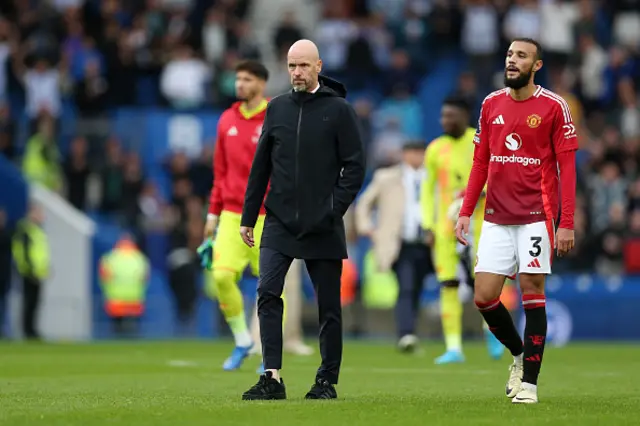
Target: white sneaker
{"points": [[408, 343], [515, 380], [528, 395]]}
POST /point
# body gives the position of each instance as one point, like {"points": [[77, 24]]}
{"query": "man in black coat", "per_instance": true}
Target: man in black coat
{"points": [[311, 152]]}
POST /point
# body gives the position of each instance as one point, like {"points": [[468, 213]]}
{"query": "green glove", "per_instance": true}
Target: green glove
{"points": [[205, 253]]}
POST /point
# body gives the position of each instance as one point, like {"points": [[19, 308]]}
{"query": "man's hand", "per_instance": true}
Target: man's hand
{"points": [[429, 237], [247, 235], [462, 229], [210, 226], [565, 240]]}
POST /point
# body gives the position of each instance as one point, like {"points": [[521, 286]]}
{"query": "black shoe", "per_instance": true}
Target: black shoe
{"points": [[267, 388], [322, 389]]}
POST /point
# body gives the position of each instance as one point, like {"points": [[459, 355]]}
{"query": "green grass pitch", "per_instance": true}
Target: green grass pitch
{"points": [[181, 383]]}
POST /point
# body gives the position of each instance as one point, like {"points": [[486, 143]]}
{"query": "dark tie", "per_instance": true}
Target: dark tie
{"points": [[417, 192]]}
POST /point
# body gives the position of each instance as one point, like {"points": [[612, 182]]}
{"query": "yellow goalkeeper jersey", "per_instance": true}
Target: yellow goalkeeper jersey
{"points": [[448, 164]]}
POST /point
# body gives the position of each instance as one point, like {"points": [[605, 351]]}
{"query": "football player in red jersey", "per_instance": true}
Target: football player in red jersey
{"points": [[525, 150]]}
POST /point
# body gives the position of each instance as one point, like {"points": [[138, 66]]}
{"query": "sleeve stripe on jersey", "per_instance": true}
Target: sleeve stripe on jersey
{"points": [[493, 94], [538, 90], [566, 112]]}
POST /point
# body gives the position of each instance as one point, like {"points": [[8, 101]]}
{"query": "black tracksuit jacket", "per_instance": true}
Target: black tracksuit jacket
{"points": [[311, 153]]}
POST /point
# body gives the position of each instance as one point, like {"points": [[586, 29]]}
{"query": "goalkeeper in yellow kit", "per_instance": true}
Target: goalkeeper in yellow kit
{"points": [[448, 161]]}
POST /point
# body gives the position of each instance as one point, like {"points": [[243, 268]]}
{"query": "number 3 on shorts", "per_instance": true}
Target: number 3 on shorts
{"points": [[535, 244], [534, 248]]}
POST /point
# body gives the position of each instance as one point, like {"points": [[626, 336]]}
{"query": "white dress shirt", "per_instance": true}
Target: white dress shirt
{"points": [[412, 221]]}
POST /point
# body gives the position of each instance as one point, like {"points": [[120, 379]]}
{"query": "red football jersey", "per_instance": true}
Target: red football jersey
{"points": [[236, 145], [518, 142]]}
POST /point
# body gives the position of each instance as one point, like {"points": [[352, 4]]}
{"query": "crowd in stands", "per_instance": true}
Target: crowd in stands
{"points": [[97, 55]]}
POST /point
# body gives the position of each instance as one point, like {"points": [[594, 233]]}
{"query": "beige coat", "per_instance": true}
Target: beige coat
{"points": [[386, 193]]}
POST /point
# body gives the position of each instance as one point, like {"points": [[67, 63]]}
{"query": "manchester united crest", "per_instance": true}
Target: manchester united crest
{"points": [[534, 120]]}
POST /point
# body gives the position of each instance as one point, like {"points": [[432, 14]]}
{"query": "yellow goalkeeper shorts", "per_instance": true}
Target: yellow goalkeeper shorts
{"points": [[445, 256], [230, 252]]}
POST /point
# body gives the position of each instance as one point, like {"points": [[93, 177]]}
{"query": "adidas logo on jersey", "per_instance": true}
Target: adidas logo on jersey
{"points": [[499, 120], [232, 131], [535, 263]]}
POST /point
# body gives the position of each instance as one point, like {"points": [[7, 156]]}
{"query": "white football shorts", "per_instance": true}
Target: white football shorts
{"points": [[511, 249]]}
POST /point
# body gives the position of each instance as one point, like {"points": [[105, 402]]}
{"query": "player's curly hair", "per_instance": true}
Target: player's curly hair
{"points": [[255, 68]]}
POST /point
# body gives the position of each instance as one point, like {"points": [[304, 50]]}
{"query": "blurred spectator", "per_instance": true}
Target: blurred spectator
{"points": [[91, 90], [184, 79], [333, 35], [611, 242], [132, 184], [7, 132], [287, 32], [364, 108], [400, 71], [201, 173], [404, 107], [608, 188], [41, 161], [523, 20], [557, 38], [480, 41], [445, 21], [214, 35], [42, 90], [5, 50], [111, 177], [468, 90], [591, 73], [77, 171], [386, 148]]}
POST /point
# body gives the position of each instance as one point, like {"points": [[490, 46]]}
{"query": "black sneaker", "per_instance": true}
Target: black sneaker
{"points": [[322, 389], [267, 388]]}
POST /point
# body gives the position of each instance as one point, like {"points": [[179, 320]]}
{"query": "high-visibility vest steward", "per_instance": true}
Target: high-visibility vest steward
{"points": [[123, 278], [30, 249]]}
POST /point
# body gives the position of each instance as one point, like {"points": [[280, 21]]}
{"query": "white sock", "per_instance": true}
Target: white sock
{"points": [[238, 326], [529, 386], [243, 339], [519, 359]]}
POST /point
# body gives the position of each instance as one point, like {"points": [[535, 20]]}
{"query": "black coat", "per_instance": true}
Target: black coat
{"points": [[311, 151]]}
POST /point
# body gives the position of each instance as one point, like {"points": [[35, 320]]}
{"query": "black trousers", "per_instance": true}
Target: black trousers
{"points": [[31, 288], [411, 268], [325, 275]]}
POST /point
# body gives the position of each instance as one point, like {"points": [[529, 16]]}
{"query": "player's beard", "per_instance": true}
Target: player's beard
{"points": [[520, 81]]}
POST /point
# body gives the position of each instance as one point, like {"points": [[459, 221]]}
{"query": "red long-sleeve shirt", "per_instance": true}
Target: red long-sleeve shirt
{"points": [[523, 149], [236, 144]]}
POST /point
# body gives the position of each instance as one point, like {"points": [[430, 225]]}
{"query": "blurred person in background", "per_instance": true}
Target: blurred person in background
{"points": [[5, 266], [448, 161], [481, 40], [42, 84], [7, 132], [77, 171], [610, 242], [181, 258], [398, 239], [112, 177], [184, 78], [41, 160], [124, 277], [31, 255]]}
